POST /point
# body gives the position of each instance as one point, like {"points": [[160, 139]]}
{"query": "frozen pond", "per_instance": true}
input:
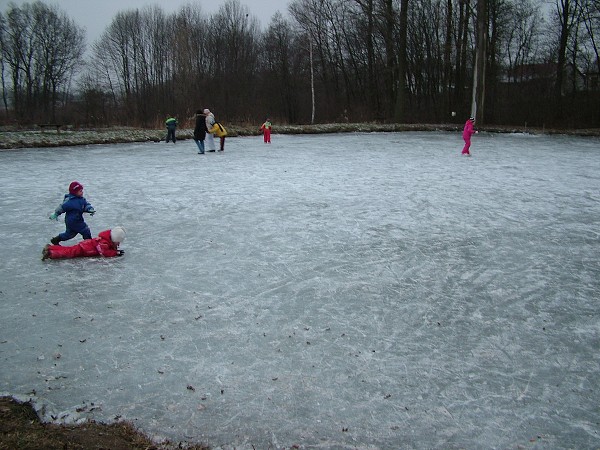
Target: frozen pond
{"points": [[369, 291]]}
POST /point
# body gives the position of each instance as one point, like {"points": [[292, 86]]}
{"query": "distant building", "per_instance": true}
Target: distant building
{"points": [[544, 76]]}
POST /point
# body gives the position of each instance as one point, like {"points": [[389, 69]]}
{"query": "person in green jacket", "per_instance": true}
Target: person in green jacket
{"points": [[171, 124]]}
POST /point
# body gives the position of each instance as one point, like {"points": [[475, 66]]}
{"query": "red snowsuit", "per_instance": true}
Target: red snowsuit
{"points": [[266, 129], [468, 131], [101, 245]]}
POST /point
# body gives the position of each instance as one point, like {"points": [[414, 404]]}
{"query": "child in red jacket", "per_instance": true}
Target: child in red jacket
{"points": [[266, 129], [106, 244]]}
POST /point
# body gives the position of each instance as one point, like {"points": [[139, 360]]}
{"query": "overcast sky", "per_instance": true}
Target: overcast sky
{"points": [[96, 15]]}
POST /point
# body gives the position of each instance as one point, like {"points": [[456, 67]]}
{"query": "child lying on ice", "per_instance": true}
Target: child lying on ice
{"points": [[106, 244]]}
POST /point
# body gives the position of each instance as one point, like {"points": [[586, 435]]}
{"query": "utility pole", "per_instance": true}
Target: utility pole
{"points": [[312, 81]]}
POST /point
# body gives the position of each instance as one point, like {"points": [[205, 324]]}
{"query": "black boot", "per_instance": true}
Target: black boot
{"points": [[55, 240]]}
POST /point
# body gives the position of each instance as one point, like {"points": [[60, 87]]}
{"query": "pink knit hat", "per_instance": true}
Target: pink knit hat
{"points": [[75, 187]]}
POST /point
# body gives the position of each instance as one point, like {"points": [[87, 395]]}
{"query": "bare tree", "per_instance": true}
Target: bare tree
{"points": [[280, 84], [192, 68], [522, 37], [367, 12], [447, 76], [113, 54], [566, 13], [402, 63], [42, 50], [591, 20], [2, 63], [478, 98], [311, 15], [233, 47], [137, 57], [462, 50], [18, 53], [368, 59], [61, 46]]}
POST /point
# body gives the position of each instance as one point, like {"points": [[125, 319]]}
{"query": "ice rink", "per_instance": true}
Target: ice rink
{"points": [[352, 291]]}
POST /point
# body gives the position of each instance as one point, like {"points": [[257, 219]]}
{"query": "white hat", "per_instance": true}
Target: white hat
{"points": [[117, 234]]}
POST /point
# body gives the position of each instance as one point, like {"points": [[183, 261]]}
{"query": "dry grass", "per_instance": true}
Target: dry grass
{"points": [[11, 138], [20, 428]]}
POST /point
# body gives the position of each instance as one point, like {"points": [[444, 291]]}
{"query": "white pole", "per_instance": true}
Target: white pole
{"points": [[312, 82], [475, 83]]}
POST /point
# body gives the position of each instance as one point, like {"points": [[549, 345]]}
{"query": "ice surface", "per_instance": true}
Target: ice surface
{"points": [[372, 291]]}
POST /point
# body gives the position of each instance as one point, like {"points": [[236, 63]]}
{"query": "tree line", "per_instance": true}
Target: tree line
{"points": [[328, 60]]}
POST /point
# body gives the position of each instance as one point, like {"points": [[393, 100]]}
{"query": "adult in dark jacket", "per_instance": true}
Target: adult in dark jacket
{"points": [[200, 131], [73, 207]]}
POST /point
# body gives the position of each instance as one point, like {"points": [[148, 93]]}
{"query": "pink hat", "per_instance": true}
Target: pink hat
{"points": [[75, 187]]}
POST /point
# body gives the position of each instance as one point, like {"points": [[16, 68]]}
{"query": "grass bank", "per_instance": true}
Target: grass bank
{"points": [[33, 138]]}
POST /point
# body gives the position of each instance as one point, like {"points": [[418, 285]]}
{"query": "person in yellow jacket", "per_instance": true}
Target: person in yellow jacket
{"points": [[221, 132]]}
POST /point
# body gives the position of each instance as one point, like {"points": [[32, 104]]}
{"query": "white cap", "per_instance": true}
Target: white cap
{"points": [[117, 234]]}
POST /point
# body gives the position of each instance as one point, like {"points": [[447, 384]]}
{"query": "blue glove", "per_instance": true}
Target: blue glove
{"points": [[53, 216]]}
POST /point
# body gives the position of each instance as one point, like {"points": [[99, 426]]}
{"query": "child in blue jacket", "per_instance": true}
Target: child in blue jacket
{"points": [[73, 206]]}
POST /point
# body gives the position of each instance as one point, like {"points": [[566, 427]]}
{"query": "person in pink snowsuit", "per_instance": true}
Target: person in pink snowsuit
{"points": [[106, 244], [468, 131]]}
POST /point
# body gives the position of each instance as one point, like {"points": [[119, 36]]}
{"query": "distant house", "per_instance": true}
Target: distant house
{"points": [[544, 74], [530, 72], [592, 81]]}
